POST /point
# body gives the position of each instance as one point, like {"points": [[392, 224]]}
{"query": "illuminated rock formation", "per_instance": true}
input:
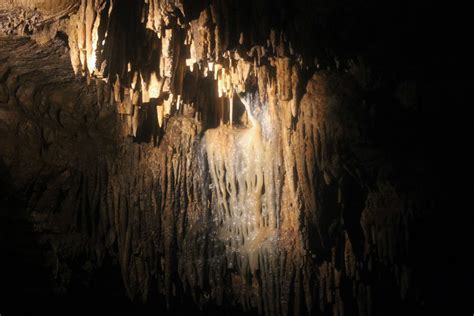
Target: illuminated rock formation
{"points": [[239, 154]]}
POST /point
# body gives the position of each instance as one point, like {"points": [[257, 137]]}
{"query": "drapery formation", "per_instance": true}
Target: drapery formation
{"points": [[212, 151]]}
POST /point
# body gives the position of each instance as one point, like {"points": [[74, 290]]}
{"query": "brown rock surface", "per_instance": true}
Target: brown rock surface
{"points": [[209, 158]]}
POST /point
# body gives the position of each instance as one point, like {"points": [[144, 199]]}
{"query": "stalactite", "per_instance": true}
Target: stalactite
{"points": [[251, 212]]}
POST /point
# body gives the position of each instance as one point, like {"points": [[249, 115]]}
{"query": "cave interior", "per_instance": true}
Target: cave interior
{"points": [[225, 157]]}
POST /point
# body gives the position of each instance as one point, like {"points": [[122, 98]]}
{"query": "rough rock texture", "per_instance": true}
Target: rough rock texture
{"points": [[218, 154]]}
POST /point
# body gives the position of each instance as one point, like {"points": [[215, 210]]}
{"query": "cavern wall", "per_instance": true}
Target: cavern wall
{"points": [[265, 157]]}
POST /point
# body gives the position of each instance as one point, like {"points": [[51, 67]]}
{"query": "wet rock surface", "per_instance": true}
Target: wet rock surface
{"points": [[185, 158]]}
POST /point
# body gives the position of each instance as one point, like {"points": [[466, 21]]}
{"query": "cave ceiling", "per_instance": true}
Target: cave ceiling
{"points": [[259, 156]]}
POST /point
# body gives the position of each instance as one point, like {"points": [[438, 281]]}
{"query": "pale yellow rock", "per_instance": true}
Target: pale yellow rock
{"points": [[160, 114], [145, 92], [88, 26], [231, 109], [135, 78], [135, 97], [81, 34], [117, 91], [73, 46], [167, 104], [154, 86], [135, 121], [178, 102], [92, 59], [167, 53], [150, 19]]}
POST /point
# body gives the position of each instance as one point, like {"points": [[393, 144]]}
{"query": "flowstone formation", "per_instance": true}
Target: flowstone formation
{"points": [[228, 152]]}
